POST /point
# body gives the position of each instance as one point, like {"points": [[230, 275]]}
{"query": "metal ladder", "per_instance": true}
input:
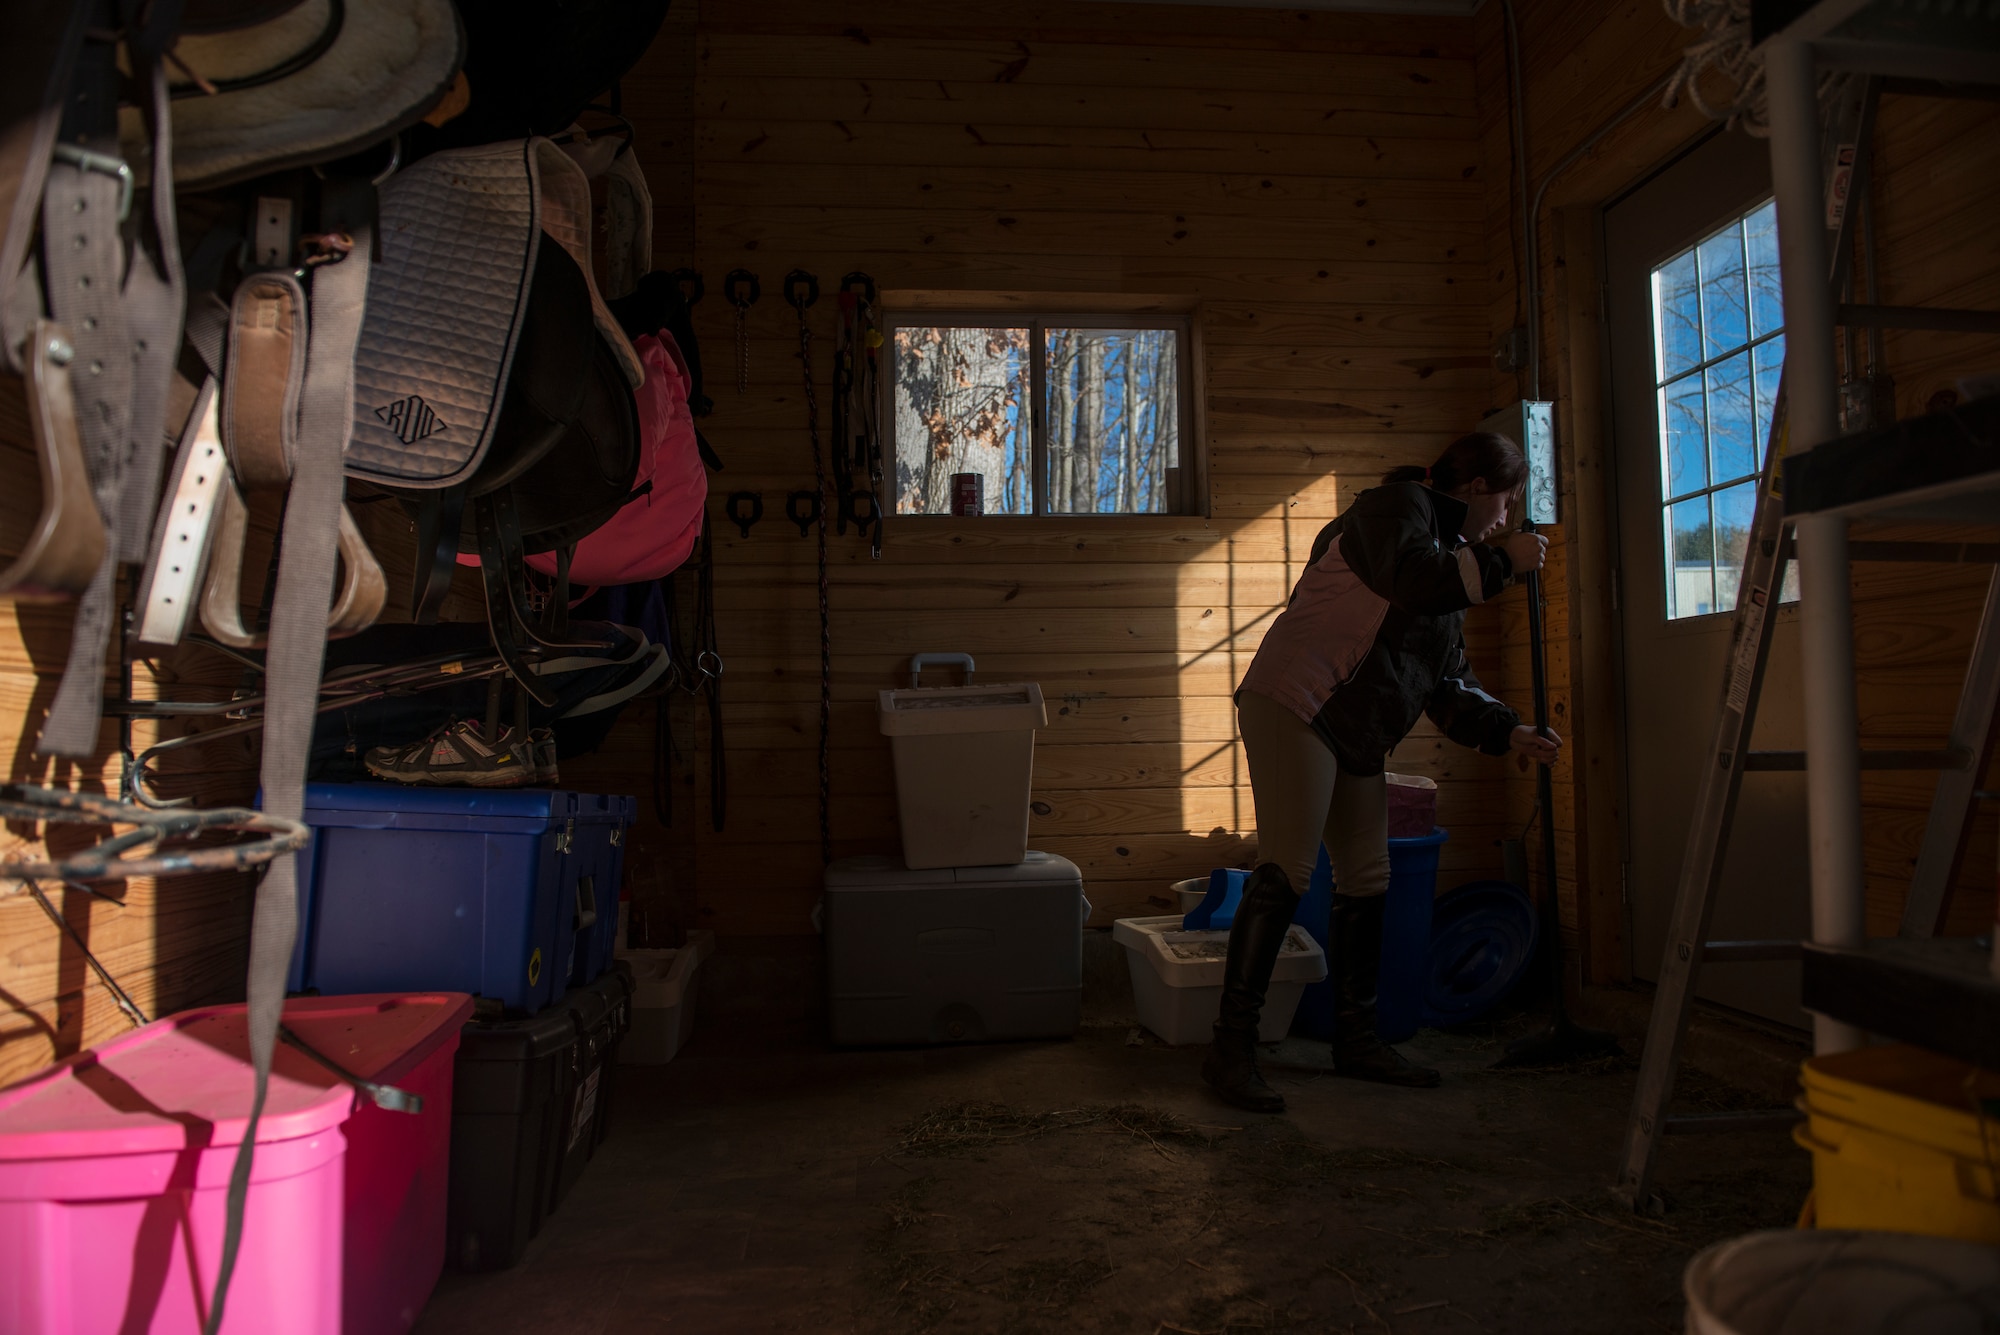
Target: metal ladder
{"points": [[1959, 763]]}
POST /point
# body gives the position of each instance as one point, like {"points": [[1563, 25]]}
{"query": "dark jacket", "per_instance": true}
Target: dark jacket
{"points": [[1374, 632]]}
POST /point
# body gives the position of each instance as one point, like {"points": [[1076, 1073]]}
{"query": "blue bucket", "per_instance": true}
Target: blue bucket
{"points": [[1406, 934]]}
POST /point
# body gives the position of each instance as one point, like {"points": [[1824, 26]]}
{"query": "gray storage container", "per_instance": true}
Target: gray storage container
{"points": [[954, 954]]}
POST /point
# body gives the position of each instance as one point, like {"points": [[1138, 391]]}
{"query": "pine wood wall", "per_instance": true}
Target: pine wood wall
{"points": [[1313, 185]]}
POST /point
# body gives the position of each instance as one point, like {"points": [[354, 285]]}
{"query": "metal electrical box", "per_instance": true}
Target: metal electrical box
{"points": [[1532, 426]]}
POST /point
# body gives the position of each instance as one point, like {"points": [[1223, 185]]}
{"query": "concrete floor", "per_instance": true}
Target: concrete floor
{"points": [[763, 1182]]}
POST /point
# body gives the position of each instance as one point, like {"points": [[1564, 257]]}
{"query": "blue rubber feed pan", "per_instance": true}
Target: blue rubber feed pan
{"points": [[1483, 937]]}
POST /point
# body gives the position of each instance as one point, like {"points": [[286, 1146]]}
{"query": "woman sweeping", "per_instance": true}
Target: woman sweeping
{"points": [[1373, 636]]}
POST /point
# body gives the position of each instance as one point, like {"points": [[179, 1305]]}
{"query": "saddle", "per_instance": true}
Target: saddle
{"points": [[493, 388]]}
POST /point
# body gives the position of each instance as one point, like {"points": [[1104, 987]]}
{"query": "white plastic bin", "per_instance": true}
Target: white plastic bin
{"points": [[663, 993], [1177, 977], [965, 760]]}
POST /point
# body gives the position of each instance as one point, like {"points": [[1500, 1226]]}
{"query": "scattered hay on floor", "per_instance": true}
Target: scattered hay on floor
{"points": [[962, 1128]]}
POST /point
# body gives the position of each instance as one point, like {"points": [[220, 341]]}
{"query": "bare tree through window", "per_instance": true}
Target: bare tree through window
{"points": [[1111, 419]]}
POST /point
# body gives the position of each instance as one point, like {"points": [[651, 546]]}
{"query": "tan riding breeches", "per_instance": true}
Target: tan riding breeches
{"points": [[1303, 800]]}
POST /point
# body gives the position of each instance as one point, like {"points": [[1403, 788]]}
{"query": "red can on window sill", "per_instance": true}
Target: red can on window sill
{"points": [[968, 494]]}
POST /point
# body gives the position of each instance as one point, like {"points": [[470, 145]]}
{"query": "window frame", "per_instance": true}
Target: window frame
{"points": [[1186, 490]]}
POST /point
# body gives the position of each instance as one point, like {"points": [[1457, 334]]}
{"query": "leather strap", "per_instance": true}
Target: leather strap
{"points": [[440, 516], [298, 642], [126, 324], [68, 543], [262, 378], [43, 37], [184, 529]]}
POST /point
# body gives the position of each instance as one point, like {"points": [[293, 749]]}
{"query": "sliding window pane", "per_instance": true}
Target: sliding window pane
{"points": [[1113, 413], [961, 401]]}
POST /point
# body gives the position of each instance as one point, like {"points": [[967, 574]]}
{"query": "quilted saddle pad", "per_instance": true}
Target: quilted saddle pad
{"points": [[460, 232]]}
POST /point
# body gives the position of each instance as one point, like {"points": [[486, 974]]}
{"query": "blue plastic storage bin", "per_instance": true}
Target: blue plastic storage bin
{"points": [[452, 889], [598, 849]]}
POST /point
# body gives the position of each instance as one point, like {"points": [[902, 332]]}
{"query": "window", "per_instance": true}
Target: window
{"points": [[1718, 346], [1054, 415]]}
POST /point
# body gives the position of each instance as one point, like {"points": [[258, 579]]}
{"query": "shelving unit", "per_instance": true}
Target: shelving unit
{"points": [[1940, 469]]}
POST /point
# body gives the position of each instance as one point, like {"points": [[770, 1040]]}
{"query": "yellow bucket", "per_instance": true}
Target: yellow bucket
{"points": [[1903, 1140]]}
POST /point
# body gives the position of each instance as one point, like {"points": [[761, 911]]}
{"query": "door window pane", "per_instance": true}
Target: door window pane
{"points": [[1732, 419], [1112, 407], [1767, 303], [1690, 560], [1676, 317], [1725, 321], [1734, 509], [1769, 357], [961, 394], [1717, 308], [1684, 436]]}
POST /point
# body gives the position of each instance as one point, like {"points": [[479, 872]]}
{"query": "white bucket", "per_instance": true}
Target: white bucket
{"points": [[1835, 1282]]}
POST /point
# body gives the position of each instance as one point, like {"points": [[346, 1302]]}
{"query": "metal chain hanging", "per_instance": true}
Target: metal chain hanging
{"points": [[741, 290], [801, 291]]}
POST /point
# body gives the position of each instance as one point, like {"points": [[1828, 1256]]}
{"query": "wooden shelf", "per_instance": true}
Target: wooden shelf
{"points": [[1938, 993], [1942, 468]]}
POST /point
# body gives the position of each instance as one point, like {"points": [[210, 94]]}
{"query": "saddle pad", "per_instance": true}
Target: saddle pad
{"points": [[460, 231], [445, 303]]}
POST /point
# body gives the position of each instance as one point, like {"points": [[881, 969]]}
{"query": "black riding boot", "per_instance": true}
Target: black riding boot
{"points": [[1263, 916], [1358, 1052]]}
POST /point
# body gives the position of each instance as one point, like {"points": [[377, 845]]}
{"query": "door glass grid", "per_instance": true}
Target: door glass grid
{"points": [[1718, 346]]}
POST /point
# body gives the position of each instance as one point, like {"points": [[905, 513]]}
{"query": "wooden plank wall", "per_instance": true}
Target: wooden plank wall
{"points": [[1314, 184], [1936, 187]]}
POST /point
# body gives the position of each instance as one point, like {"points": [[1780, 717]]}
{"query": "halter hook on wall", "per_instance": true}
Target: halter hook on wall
{"points": [[741, 290], [689, 281], [801, 290], [802, 508], [744, 508]]}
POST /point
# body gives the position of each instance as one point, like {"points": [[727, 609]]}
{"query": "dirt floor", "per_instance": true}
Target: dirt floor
{"points": [[762, 1182]]}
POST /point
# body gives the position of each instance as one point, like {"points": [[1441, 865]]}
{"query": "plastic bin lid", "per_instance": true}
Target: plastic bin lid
{"points": [[186, 1080], [603, 809], [447, 808], [931, 710], [876, 871]]}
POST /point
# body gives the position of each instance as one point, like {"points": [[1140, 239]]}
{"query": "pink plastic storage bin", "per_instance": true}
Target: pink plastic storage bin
{"points": [[114, 1169]]}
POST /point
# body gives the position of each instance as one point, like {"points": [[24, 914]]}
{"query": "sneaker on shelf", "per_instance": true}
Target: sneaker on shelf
{"points": [[457, 755], [543, 741]]}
